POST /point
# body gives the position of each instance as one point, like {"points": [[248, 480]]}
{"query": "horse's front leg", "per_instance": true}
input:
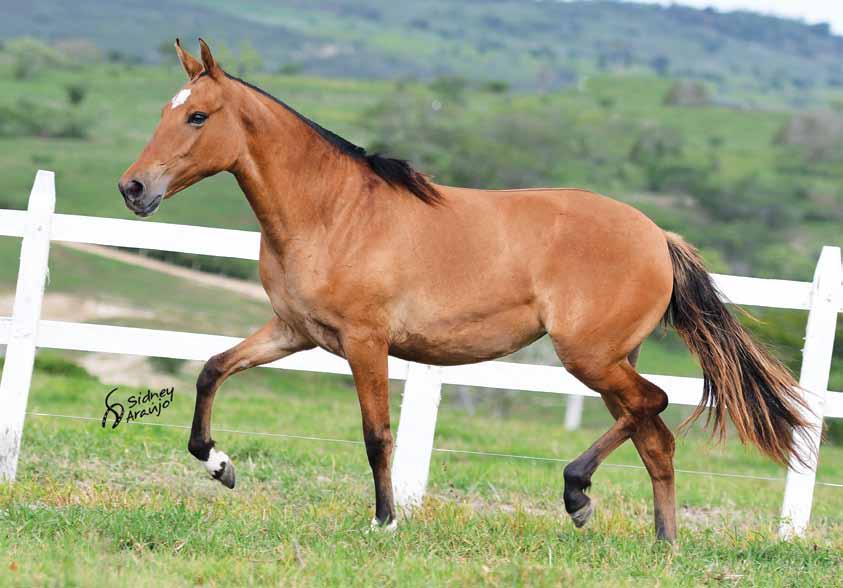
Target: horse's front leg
{"points": [[367, 356], [272, 341]]}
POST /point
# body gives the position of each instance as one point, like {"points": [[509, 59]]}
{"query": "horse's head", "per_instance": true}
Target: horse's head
{"points": [[195, 138]]}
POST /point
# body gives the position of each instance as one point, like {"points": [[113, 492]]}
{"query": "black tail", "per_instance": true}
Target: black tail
{"points": [[740, 378]]}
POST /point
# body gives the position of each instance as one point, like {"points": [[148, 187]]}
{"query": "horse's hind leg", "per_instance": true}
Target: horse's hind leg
{"points": [[633, 401], [272, 341], [656, 445]]}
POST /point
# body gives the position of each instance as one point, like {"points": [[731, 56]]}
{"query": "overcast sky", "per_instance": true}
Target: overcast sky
{"points": [[812, 11]]}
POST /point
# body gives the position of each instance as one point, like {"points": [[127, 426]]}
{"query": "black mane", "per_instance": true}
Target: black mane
{"points": [[395, 172]]}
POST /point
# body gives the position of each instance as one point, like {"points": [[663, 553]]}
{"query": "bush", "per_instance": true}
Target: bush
{"points": [[27, 118], [31, 56], [75, 93], [834, 431], [234, 268], [56, 365], [819, 135], [687, 93], [431, 128]]}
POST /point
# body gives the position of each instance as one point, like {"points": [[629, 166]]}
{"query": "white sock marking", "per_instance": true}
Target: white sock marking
{"points": [[375, 526], [215, 461]]}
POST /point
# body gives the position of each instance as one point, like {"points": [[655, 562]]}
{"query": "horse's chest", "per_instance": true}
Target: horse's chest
{"points": [[302, 304]]}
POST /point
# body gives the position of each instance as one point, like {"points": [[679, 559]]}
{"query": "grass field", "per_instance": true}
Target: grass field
{"points": [[130, 507]]}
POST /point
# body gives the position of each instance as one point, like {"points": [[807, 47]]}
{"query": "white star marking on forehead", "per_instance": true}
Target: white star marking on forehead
{"points": [[180, 98]]}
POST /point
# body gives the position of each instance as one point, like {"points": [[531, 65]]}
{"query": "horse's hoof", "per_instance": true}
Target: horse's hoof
{"points": [[582, 515], [376, 527], [220, 468]]}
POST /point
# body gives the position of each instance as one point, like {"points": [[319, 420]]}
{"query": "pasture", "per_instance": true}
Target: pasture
{"points": [[130, 506]]}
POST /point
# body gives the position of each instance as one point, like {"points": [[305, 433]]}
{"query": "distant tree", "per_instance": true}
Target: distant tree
{"points": [[818, 134], [657, 143], [117, 56], [75, 93], [821, 29], [496, 87], [449, 87], [291, 69], [78, 51], [420, 23], [31, 56], [503, 150], [607, 102], [31, 118], [660, 64], [658, 151], [688, 93]]}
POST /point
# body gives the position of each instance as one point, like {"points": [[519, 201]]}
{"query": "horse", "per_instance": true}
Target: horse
{"points": [[364, 256]]}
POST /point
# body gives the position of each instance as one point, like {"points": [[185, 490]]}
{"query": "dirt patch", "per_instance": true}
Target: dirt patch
{"points": [[66, 307], [705, 517], [244, 288], [128, 370]]}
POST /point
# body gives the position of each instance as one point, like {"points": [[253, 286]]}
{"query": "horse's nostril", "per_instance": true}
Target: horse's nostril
{"points": [[131, 190]]}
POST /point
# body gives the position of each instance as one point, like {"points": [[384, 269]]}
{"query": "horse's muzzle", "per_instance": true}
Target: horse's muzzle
{"points": [[138, 199]]}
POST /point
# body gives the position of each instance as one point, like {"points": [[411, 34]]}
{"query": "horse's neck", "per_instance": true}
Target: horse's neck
{"points": [[297, 188]]}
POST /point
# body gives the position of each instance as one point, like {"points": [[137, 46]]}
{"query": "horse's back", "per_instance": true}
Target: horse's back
{"points": [[575, 222], [595, 265]]}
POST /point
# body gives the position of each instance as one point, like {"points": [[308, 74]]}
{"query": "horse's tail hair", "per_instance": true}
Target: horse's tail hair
{"points": [[739, 377]]}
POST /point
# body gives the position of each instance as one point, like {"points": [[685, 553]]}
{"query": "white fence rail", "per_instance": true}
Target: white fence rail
{"points": [[25, 331]]}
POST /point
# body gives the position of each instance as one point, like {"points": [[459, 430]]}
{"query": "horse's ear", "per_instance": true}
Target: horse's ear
{"points": [[190, 64], [208, 60]]}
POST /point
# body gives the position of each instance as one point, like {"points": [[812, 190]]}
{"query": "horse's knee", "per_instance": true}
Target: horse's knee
{"points": [[378, 443], [210, 375]]}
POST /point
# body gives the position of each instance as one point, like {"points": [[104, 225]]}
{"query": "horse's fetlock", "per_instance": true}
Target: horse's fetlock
{"points": [[200, 449], [575, 478]]}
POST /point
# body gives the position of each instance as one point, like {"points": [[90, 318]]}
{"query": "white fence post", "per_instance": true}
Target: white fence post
{"points": [[416, 427], [573, 412], [20, 352], [816, 365]]}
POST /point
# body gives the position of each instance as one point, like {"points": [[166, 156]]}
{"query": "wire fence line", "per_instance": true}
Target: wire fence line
{"points": [[437, 449]]}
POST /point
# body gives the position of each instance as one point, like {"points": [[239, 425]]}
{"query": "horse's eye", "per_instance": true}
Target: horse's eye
{"points": [[197, 118]]}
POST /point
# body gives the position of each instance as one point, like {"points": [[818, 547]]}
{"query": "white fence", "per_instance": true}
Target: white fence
{"points": [[25, 331]]}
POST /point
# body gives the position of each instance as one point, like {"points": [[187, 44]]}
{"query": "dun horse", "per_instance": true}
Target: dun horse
{"points": [[363, 256]]}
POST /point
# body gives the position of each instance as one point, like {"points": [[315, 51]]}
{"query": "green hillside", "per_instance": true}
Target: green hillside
{"points": [[536, 45], [721, 176]]}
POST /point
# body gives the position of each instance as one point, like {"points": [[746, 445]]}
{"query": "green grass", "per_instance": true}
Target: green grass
{"points": [[131, 507]]}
